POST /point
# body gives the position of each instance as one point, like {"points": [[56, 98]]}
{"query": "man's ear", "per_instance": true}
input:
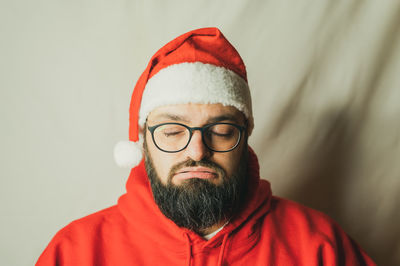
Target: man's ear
{"points": [[143, 132], [249, 128]]}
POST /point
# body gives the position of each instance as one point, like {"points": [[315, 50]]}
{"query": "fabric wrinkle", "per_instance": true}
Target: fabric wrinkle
{"points": [[189, 249], [221, 251]]}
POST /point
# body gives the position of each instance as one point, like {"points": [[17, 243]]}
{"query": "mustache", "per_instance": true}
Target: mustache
{"points": [[191, 163]]}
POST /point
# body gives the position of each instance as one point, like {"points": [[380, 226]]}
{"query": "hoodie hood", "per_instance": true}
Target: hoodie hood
{"points": [[141, 211]]}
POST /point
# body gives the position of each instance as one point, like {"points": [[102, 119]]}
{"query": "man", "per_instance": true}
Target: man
{"points": [[196, 197]]}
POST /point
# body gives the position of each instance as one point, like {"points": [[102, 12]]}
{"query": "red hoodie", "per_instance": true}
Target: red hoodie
{"points": [[269, 231]]}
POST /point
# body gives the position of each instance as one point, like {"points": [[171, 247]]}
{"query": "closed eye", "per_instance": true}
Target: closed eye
{"points": [[222, 134], [171, 134]]}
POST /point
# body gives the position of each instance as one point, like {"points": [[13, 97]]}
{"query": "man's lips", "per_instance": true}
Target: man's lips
{"points": [[195, 172]]}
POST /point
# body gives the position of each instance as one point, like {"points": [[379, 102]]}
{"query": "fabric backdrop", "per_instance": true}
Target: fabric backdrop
{"points": [[324, 77]]}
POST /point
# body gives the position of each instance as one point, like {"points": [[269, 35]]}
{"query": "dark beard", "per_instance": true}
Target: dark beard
{"points": [[198, 204]]}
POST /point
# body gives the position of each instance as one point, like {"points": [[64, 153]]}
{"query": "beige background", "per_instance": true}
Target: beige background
{"points": [[325, 82]]}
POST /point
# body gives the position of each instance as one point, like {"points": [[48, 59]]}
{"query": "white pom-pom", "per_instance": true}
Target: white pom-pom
{"points": [[128, 153]]}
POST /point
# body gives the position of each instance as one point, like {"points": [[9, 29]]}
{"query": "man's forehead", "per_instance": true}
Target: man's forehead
{"points": [[196, 112]]}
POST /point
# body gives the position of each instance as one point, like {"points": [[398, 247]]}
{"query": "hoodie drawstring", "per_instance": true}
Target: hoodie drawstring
{"points": [[221, 251], [189, 250]]}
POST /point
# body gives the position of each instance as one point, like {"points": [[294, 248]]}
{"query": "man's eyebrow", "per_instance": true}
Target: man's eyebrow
{"points": [[172, 117], [221, 118]]}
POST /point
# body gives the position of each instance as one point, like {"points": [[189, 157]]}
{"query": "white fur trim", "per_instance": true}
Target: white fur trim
{"points": [[128, 153], [196, 83]]}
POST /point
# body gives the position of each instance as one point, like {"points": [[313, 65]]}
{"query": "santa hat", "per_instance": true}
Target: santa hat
{"points": [[200, 66]]}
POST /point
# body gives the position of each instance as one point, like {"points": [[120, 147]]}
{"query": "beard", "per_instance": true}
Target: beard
{"points": [[198, 204]]}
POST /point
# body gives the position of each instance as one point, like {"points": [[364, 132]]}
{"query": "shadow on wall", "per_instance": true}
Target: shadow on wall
{"points": [[327, 172], [326, 167]]}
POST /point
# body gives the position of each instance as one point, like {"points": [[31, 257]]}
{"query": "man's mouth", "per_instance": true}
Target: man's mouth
{"points": [[195, 172]]}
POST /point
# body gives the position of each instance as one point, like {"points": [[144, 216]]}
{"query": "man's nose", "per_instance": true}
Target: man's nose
{"points": [[196, 149]]}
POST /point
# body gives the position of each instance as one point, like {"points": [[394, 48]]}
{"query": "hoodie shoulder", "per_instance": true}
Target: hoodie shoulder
{"points": [[91, 224], [312, 234], [294, 214], [81, 237]]}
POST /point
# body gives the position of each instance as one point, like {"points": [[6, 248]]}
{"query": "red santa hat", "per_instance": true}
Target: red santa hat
{"points": [[200, 66]]}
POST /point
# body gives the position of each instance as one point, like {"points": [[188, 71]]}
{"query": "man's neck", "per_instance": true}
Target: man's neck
{"points": [[213, 228]]}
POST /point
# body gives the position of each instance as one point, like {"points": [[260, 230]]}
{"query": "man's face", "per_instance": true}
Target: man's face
{"points": [[194, 115], [197, 188]]}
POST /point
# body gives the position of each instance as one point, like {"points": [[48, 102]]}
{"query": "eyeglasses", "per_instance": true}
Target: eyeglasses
{"points": [[175, 137]]}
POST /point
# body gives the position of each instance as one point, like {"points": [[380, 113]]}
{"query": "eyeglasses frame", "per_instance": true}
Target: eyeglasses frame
{"points": [[201, 129]]}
